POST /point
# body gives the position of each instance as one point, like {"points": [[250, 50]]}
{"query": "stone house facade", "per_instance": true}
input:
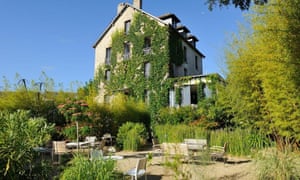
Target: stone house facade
{"points": [[150, 58]]}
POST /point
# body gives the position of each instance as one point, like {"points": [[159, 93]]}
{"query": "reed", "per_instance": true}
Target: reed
{"points": [[241, 142], [279, 165], [83, 168]]}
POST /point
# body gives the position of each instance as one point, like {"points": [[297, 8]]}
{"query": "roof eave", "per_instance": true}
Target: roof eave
{"points": [[126, 5]]}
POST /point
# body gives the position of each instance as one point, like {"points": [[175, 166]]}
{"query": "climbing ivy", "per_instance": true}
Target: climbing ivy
{"points": [[200, 91], [166, 49], [129, 73], [178, 95]]}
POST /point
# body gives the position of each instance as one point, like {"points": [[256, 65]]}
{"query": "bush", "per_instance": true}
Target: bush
{"points": [[126, 109], [19, 134], [83, 168], [107, 118], [131, 136], [177, 115]]}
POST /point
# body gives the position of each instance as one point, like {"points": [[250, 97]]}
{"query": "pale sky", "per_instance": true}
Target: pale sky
{"points": [[56, 36]]}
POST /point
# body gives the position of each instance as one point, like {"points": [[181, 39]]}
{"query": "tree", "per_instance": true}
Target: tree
{"points": [[263, 82], [212, 109], [242, 4], [75, 111]]}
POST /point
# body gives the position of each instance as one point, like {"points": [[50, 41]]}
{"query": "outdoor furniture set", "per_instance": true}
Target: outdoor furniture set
{"points": [[63, 147], [191, 149]]}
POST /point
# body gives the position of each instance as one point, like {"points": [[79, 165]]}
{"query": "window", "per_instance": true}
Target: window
{"points": [[127, 27], [147, 96], [196, 62], [185, 72], [194, 96], [147, 68], [184, 54], [171, 98], [207, 92], [107, 56], [147, 45], [107, 75], [126, 51]]}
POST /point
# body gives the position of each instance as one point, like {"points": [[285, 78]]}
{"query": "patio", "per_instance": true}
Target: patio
{"points": [[235, 168]]}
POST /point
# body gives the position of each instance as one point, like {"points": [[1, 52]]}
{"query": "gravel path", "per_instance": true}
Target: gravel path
{"points": [[236, 168]]}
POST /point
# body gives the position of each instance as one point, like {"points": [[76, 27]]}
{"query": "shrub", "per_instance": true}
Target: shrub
{"points": [[126, 109], [19, 134], [131, 136], [177, 115], [102, 118], [107, 118], [83, 168]]}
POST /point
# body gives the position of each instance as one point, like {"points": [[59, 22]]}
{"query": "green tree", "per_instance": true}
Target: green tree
{"points": [[263, 79], [213, 109], [242, 4], [77, 115]]}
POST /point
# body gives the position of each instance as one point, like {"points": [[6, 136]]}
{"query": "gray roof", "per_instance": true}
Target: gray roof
{"points": [[169, 15]]}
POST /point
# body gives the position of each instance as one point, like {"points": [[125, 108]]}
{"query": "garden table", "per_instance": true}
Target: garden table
{"points": [[72, 145]]}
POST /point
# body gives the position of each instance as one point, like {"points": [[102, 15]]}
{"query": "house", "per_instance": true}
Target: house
{"points": [[154, 59]]}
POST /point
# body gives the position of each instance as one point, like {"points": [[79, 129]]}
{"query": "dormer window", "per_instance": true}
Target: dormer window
{"points": [[127, 27], [192, 40], [147, 45], [126, 54], [183, 30], [170, 19]]}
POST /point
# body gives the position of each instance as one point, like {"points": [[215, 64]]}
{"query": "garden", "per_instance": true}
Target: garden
{"points": [[31, 119], [255, 112]]}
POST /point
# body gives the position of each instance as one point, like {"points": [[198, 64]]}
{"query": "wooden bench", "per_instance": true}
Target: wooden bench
{"points": [[196, 144]]}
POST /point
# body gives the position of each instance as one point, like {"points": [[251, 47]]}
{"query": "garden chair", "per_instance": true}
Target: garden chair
{"points": [[59, 148], [139, 170], [96, 154], [89, 141], [156, 146], [218, 152]]}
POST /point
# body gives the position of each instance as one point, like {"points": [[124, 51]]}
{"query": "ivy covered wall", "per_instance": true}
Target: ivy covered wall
{"points": [[129, 74]]}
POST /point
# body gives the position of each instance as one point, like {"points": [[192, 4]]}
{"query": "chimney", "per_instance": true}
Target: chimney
{"points": [[137, 4], [120, 7]]}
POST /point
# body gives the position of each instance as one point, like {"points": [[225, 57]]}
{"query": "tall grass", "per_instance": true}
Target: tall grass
{"points": [[237, 140], [177, 133], [83, 168], [240, 141], [275, 164], [131, 136]]}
